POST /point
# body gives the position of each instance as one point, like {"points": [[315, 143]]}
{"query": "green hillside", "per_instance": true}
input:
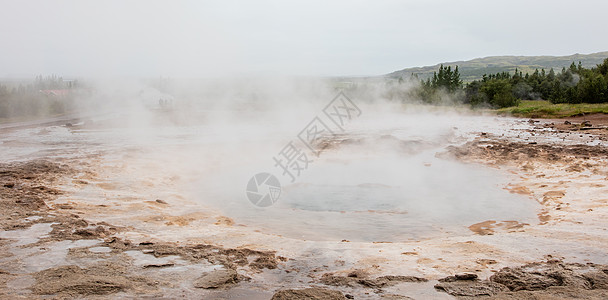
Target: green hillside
{"points": [[475, 68]]}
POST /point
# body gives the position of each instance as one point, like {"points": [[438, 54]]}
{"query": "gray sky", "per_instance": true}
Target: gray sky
{"points": [[224, 38]]}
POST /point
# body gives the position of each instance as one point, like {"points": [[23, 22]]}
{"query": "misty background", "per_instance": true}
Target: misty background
{"points": [[204, 94], [192, 39]]}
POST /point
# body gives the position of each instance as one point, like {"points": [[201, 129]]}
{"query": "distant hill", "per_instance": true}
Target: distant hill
{"points": [[475, 68]]}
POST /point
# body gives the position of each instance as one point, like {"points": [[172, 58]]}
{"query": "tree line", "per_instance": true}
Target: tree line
{"points": [[574, 84], [24, 100]]}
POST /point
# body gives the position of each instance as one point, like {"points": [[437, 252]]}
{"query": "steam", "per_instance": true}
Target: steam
{"points": [[201, 140]]}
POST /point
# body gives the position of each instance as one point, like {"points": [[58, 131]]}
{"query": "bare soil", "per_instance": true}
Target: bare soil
{"points": [[308, 294], [551, 279], [549, 172], [25, 190]]}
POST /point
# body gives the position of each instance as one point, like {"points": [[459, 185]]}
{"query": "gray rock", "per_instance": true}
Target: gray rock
{"points": [[216, 279], [471, 288], [309, 294]]}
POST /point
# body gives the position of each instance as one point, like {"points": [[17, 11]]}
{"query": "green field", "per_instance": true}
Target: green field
{"points": [[546, 109]]}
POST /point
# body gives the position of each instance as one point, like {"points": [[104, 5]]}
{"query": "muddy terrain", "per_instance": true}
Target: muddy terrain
{"points": [[71, 229], [28, 190]]}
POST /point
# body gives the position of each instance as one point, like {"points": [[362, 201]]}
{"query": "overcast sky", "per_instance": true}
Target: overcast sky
{"points": [[245, 38]]}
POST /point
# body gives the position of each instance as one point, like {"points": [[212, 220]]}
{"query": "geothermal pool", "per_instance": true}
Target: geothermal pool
{"points": [[387, 185]]}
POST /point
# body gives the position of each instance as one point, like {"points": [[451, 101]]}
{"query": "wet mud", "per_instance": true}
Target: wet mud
{"points": [[539, 280], [27, 190], [55, 245]]}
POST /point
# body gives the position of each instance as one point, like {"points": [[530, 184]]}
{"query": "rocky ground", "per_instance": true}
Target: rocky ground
{"points": [[53, 245], [27, 192]]}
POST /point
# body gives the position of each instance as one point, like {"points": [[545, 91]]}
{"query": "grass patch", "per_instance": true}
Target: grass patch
{"points": [[546, 109]]}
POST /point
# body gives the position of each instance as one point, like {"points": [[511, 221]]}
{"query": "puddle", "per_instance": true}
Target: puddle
{"points": [[27, 236], [377, 198], [143, 259], [424, 290], [34, 259], [376, 192], [383, 184]]}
